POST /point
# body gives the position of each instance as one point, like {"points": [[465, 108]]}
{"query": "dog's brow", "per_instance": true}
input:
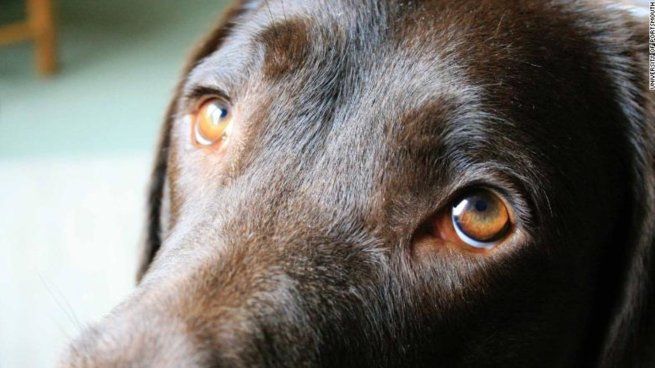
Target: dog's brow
{"points": [[287, 47], [221, 71]]}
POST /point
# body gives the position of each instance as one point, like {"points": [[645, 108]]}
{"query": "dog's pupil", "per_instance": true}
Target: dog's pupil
{"points": [[481, 205]]}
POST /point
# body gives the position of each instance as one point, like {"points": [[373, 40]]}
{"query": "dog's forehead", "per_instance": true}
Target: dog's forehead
{"points": [[411, 52], [389, 46]]}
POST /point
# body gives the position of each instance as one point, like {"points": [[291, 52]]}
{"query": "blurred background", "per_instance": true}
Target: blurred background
{"points": [[76, 148]]}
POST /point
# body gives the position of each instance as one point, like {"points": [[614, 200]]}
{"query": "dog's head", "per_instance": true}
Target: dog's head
{"points": [[400, 183]]}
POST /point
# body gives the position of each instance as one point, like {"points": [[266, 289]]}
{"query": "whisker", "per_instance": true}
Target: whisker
{"points": [[284, 12], [61, 302]]}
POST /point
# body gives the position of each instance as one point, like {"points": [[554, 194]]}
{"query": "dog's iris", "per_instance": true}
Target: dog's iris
{"points": [[211, 122], [480, 219]]}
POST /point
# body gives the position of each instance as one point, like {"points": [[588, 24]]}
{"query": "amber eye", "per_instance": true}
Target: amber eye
{"points": [[481, 219], [212, 122]]}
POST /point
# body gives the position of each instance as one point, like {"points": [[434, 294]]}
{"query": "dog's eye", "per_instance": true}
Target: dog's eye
{"points": [[480, 219], [211, 122]]}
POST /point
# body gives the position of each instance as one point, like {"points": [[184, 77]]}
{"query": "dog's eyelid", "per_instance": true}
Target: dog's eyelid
{"points": [[195, 94]]}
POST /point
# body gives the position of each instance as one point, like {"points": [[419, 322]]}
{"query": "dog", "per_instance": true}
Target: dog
{"points": [[400, 183]]}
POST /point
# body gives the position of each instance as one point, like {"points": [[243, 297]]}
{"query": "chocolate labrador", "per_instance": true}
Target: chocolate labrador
{"points": [[389, 183]]}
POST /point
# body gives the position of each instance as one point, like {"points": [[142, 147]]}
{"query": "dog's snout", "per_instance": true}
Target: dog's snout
{"points": [[146, 337], [156, 330], [135, 339], [230, 310]]}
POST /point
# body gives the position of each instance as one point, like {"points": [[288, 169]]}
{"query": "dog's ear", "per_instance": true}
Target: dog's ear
{"points": [[156, 210], [630, 337]]}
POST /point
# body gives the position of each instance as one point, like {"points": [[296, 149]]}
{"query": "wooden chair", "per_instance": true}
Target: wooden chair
{"points": [[40, 28]]}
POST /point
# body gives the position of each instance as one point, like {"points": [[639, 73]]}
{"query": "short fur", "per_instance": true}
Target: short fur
{"points": [[303, 244]]}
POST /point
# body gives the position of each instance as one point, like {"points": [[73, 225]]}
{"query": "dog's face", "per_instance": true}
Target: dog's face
{"points": [[399, 183]]}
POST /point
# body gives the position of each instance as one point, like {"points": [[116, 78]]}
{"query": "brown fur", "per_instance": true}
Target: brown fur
{"points": [[305, 243], [286, 48]]}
